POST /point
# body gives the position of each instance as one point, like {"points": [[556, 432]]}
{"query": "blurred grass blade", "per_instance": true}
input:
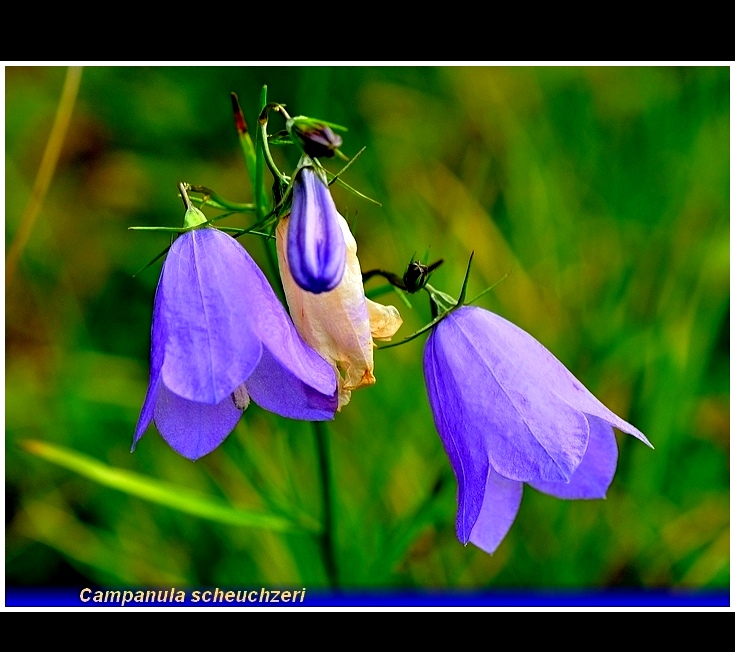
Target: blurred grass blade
{"points": [[46, 170], [379, 291], [406, 530], [249, 150], [179, 498]]}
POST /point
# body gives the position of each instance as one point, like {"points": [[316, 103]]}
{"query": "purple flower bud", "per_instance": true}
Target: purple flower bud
{"points": [[316, 246], [342, 324], [316, 139], [219, 337], [509, 412]]}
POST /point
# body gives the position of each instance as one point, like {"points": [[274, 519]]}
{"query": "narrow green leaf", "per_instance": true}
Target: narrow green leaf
{"points": [[157, 491], [355, 192], [486, 290], [463, 292], [402, 296], [344, 169], [165, 229]]}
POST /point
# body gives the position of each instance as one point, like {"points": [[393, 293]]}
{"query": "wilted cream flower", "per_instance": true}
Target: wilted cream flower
{"points": [[339, 324]]}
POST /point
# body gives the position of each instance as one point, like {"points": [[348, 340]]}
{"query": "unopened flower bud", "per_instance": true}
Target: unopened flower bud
{"points": [[316, 138], [316, 246], [417, 275]]}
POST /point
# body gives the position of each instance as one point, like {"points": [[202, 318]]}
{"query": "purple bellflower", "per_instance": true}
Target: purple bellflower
{"points": [[509, 412], [316, 246], [220, 337]]}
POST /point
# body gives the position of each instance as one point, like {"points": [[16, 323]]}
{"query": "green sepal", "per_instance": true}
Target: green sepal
{"points": [[194, 217], [313, 122]]}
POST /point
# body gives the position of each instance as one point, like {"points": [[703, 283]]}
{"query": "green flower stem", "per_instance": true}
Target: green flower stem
{"points": [[266, 150], [263, 155], [260, 201], [238, 232], [326, 538], [212, 199]]}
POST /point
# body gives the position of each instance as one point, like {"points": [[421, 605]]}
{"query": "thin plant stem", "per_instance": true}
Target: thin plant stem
{"points": [[259, 161], [326, 538], [45, 171], [263, 156]]}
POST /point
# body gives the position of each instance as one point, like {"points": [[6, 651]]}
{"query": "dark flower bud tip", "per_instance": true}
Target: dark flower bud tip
{"points": [[316, 138], [417, 275]]}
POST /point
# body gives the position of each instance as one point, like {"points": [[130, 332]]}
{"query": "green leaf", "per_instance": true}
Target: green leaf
{"points": [[162, 493], [402, 296], [486, 290], [354, 191]]}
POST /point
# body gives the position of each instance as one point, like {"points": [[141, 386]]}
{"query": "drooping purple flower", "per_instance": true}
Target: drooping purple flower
{"points": [[316, 246], [219, 337], [509, 412]]}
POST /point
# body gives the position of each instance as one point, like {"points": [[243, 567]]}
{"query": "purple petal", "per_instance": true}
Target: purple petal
{"points": [[540, 366], [462, 442], [194, 429], [316, 247], [275, 388], [527, 432], [158, 345], [288, 351], [208, 306], [596, 471], [499, 509]]}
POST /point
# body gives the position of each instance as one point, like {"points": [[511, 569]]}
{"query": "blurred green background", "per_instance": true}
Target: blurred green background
{"points": [[602, 191]]}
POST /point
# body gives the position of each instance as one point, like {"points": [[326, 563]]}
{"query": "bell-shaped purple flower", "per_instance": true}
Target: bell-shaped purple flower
{"points": [[219, 337], [509, 412], [316, 246]]}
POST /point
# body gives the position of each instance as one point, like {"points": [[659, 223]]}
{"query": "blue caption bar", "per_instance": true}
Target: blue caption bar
{"points": [[303, 597]]}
